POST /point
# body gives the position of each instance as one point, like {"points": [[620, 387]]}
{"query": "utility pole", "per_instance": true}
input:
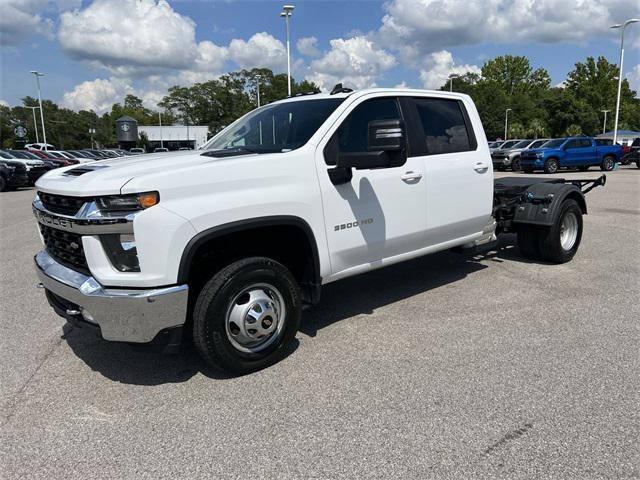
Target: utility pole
{"points": [[506, 122], [622, 26], [35, 122], [287, 11], [44, 132], [604, 124], [258, 77], [160, 122], [451, 77]]}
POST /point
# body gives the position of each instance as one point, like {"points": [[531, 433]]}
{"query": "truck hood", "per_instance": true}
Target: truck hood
{"points": [[107, 177]]}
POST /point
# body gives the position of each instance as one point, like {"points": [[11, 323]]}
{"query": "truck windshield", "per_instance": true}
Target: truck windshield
{"points": [[508, 144], [522, 144], [275, 128], [555, 143]]}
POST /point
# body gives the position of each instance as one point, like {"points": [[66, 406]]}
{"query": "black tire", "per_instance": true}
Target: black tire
{"points": [[528, 170], [515, 164], [528, 241], [583, 168], [551, 166], [3, 184], [608, 163], [214, 301], [550, 238]]}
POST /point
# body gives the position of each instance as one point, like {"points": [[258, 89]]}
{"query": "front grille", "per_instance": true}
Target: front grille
{"points": [[65, 247], [62, 204]]}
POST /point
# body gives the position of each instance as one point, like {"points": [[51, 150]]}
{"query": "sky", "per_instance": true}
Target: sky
{"points": [[94, 52]]}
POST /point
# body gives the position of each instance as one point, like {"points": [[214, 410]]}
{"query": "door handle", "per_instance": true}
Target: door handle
{"points": [[481, 167], [410, 175]]}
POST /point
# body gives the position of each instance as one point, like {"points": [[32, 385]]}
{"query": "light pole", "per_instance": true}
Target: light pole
{"points": [[44, 132], [622, 26], [451, 77], [287, 11], [258, 77], [35, 123], [604, 124], [506, 121], [160, 122]]}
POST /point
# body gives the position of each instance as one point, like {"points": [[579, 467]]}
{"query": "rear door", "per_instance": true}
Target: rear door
{"points": [[458, 170], [588, 152], [572, 153]]}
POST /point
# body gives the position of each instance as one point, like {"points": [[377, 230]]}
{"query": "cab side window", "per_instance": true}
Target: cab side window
{"points": [[353, 133], [445, 125], [572, 144]]}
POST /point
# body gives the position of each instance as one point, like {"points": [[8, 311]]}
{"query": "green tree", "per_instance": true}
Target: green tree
{"points": [[514, 73]]}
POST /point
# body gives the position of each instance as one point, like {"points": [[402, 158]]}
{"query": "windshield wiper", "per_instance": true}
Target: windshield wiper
{"points": [[234, 151]]}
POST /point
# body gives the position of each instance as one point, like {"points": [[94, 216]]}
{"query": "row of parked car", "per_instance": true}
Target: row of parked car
{"points": [[551, 155], [19, 168]]}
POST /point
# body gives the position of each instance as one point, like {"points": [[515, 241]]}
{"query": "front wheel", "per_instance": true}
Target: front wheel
{"points": [[607, 163], [560, 242], [515, 164], [551, 166], [246, 315]]}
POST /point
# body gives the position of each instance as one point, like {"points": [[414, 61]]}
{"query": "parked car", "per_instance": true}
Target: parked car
{"points": [[35, 168], [631, 153], [39, 146], [503, 156], [225, 245], [571, 152], [136, 150], [118, 151], [81, 156], [12, 175], [160, 150]]}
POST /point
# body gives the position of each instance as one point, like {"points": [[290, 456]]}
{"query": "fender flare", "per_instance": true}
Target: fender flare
{"points": [[546, 213], [244, 225]]}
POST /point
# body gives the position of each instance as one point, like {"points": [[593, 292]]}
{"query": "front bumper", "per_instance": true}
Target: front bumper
{"points": [[18, 180], [122, 314]]}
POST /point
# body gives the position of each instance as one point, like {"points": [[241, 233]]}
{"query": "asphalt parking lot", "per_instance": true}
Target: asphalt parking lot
{"points": [[443, 367]]}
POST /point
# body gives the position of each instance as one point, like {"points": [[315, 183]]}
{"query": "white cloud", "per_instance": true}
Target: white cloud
{"points": [[149, 37], [419, 27], [22, 18], [355, 62], [97, 95], [4, 103], [261, 50], [439, 65], [308, 46]]}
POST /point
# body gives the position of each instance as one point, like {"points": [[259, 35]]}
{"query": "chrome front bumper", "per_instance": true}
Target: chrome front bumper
{"points": [[124, 315]]}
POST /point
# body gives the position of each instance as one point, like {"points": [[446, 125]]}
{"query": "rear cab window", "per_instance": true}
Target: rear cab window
{"points": [[441, 125]]}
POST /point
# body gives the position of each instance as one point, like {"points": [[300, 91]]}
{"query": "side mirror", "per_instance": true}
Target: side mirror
{"points": [[386, 135], [386, 147]]}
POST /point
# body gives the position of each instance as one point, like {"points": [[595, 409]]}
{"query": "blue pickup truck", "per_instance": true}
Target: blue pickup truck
{"points": [[571, 152]]}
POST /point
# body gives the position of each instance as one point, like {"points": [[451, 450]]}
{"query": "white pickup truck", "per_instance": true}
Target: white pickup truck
{"points": [[223, 246]]}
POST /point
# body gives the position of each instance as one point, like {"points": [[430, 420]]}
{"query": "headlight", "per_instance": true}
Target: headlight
{"points": [[128, 203], [121, 250], [539, 155]]}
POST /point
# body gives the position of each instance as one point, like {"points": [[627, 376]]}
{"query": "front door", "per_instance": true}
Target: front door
{"points": [[380, 212]]}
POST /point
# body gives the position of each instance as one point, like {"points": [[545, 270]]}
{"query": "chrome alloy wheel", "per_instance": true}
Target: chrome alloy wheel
{"points": [[255, 318], [568, 231]]}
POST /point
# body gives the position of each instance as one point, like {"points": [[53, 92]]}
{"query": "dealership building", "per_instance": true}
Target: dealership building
{"points": [[172, 137]]}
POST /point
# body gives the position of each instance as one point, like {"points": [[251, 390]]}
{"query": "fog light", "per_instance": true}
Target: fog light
{"points": [[121, 250]]}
